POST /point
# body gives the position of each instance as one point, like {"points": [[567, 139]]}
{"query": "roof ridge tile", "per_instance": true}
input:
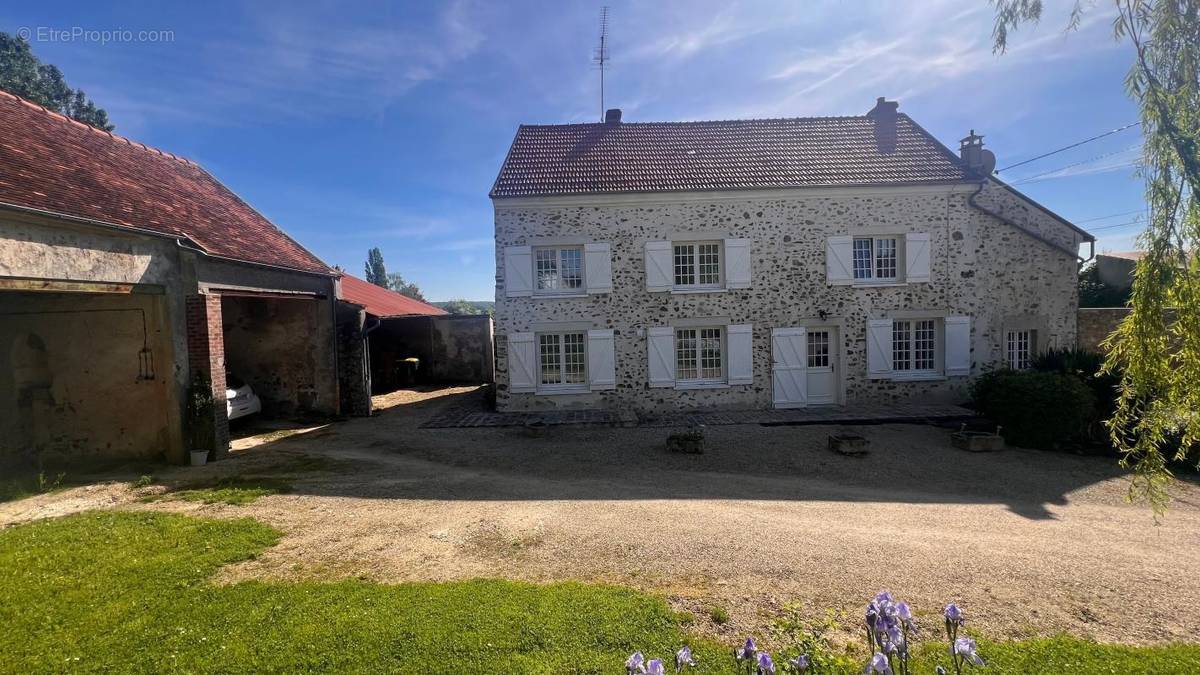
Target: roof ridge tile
{"points": [[84, 125]]}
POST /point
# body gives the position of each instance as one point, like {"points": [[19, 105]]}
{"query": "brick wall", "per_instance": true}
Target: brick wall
{"points": [[206, 356], [1097, 323]]}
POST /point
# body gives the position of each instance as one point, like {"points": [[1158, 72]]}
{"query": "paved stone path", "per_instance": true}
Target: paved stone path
{"points": [[472, 413]]}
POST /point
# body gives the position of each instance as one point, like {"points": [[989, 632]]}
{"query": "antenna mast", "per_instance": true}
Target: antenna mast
{"points": [[600, 58]]}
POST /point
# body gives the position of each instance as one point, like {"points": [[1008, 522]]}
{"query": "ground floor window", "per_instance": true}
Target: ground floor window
{"points": [[563, 359], [699, 354], [914, 345], [1019, 348], [818, 349]]}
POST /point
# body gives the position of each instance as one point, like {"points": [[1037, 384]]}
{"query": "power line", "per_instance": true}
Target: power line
{"points": [[1111, 215], [1068, 147], [1137, 221], [1097, 158]]}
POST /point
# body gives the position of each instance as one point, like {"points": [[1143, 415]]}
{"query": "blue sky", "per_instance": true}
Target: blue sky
{"points": [[353, 125]]}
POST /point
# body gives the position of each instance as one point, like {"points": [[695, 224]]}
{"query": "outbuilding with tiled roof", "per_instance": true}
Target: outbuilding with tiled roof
{"points": [[133, 286]]}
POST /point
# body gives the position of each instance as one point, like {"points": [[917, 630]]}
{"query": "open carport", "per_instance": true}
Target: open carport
{"points": [[280, 346]]}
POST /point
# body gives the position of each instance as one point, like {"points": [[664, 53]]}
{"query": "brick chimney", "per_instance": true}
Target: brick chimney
{"points": [[884, 110], [612, 116], [884, 115]]}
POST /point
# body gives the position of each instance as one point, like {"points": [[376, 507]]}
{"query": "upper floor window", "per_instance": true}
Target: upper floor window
{"points": [[875, 258], [697, 264], [699, 354], [1019, 348], [914, 346], [558, 269]]}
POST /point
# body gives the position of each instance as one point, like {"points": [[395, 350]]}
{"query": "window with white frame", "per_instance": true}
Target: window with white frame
{"points": [[558, 269], [914, 345], [697, 264], [699, 354], [818, 349], [876, 259], [562, 359], [1020, 348]]}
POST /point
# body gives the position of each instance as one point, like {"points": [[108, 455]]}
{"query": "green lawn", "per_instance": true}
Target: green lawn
{"points": [[235, 491], [123, 591]]}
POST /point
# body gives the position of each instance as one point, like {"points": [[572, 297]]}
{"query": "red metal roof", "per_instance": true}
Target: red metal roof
{"points": [[567, 159], [52, 163], [384, 303]]}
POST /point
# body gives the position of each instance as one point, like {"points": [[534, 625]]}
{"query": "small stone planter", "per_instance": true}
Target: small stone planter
{"points": [[690, 442], [850, 445], [977, 441]]}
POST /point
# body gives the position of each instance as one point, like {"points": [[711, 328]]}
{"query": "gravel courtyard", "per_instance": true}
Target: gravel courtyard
{"points": [[1031, 543]]}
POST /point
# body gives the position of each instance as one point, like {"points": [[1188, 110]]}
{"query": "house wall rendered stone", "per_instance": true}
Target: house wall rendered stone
{"points": [[980, 266]]}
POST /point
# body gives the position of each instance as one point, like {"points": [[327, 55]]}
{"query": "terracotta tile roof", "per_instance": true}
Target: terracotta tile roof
{"points": [[53, 163], [384, 303], [570, 159]]}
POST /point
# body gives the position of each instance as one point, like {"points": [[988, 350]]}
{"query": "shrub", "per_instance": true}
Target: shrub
{"points": [[1084, 364], [1037, 410]]}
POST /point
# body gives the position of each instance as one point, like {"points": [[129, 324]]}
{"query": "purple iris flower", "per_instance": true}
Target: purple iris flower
{"points": [[800, 663], [965, 647], [683, 657], [765, 664], [655, 667], [636, 663], [953, 614], [879, 664], [904, 612], [872, 615], [747, 651]]}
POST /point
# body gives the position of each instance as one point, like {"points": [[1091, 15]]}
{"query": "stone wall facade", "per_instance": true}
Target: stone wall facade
{"points": [[980, 266]]}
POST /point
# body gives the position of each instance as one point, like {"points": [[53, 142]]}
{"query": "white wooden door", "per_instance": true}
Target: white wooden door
{"points": [[789, 365], [822, 360]]}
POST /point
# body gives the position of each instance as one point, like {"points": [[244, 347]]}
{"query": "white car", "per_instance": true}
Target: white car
{"points": [[240, 399]]}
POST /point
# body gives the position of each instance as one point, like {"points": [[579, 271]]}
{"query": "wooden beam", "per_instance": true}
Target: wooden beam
{"points": [[61, 286]]}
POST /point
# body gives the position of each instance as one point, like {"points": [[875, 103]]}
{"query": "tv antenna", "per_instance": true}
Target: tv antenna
{"points": [[600, 58]]}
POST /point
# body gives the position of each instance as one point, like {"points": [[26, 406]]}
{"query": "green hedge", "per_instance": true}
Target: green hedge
{"points": [[1049, 411]]}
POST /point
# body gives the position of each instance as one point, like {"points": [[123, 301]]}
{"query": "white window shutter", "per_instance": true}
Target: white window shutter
{"points": [[879, 348], [597, 267], [839, 259], [739, 341], [522, 363], [737, 263], [661, 341], [602, 360], [916, 256], [518, 271], [660, 275], [958, 345]]}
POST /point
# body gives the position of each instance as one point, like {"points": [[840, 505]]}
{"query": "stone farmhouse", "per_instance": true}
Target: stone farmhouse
{"points": [[766, 263]]}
